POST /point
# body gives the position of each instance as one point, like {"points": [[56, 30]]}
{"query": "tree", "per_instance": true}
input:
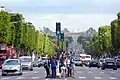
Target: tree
{"points": [[4, 26]]}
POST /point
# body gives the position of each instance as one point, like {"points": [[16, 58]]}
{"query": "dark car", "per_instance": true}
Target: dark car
{"points": [[109, 63], [40, 63], [118, 62], [35, 63], [1, 62], [94, 63]]}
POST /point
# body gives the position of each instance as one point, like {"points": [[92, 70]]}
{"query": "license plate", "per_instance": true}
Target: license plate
{"points": [[110, 64]]}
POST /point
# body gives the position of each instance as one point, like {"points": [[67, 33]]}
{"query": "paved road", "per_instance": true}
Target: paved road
{"points": [[81, 73]]}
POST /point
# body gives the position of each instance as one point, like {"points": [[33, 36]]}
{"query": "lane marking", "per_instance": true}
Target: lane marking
{"points": [[112, 72], [90, 72], [20, 78], [102, 72], [36, 72], [5, 78], [112, 78], [82, 77], [97, 77], [25, 72], [35, 77]]}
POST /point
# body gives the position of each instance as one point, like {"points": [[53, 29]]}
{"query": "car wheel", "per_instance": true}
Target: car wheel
{"points": [[31, 69], [102, 68], [89, 66], [98, 66], [81, 65], [114, 68]]}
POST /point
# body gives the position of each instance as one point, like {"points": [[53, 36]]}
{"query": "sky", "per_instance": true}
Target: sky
{"points": [[73, 14]]}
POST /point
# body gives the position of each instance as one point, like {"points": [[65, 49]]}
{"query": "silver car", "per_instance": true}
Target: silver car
{"points": [[11, 66], [26, 62]]}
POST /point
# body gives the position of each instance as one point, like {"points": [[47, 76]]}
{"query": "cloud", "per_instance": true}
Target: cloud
{"points": [[71, 21]]}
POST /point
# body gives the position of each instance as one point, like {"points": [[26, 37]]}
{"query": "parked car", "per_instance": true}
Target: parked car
{"points": [[35, 63], [11, 66], [26, 62], [40, 63], [1, 62], [78, 62], [86, 63], [118, 62], [94, 63], [109, 63], [101, 61]]}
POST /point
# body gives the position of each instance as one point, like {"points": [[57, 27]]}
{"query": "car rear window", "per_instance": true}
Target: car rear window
{"points": [[109, 60], [12, 62], [25, 59]]}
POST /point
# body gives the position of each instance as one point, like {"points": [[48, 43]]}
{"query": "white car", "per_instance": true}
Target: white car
{"points": [[26, 62], [11, 66]]}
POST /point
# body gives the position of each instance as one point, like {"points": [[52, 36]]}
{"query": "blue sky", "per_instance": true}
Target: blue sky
{"points": [[73, 14]]}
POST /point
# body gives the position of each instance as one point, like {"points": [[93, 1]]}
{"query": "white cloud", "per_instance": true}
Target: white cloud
{"points": [[71, 21]]}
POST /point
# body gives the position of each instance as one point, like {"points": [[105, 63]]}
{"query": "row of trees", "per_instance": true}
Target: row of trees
{"points": [[23, 35], [106, 40]]}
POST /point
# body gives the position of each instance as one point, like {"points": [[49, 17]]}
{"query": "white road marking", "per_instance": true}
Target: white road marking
{"points": [[20, 78], [112, 72], [113, 78], [5, 78], [102, 72], [80, 77], [97, 77], [25, 72], [36, 72], [90, 72], [35, 77]]}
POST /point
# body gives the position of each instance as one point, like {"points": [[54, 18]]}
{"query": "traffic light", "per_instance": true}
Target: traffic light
{"points": [[58, 28], [62, 37]]}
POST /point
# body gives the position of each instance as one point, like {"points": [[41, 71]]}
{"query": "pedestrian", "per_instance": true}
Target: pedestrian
{"points": [[53, 67], [47, 67], [68, 66], [72, 65], [62, 66]]}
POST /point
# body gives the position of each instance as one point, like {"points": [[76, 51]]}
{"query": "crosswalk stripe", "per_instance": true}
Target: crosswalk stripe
{"points": [[6, 78], [90, 72], [82, 77], [113, 78], [112, 72], [20, 78], [102, 72], [25, 72], [36, 72], [97, 77], [35, 77]]}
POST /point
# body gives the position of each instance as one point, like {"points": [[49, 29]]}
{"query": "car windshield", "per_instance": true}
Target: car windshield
{"points": [[94, 61], [109, 60], [12, 62], [25, 59]]}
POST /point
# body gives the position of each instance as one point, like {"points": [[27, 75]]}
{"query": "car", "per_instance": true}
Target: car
{"points": [[26, 62], [40, 63], [35, 63], [1, 62], [109, 63], [86, 62], [101, 61], [78, 62], [11, 66], [94, 63], [118, 62]]}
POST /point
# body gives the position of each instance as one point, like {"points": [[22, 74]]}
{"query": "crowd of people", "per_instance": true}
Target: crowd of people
{"points": [[65, 66]]}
